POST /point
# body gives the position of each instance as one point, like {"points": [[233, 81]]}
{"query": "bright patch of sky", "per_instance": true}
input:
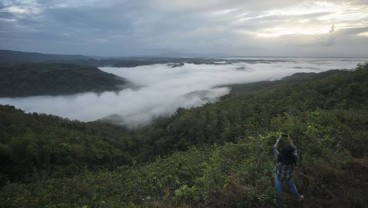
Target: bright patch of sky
{"points": [[323, 15]]}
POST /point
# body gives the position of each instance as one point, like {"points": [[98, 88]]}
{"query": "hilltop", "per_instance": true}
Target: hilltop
{"points": [[18, 56], [30, 79], [14, 57]]}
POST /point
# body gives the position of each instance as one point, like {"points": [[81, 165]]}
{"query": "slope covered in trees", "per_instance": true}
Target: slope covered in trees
{"points": [[30, 79], [8, 56], [18, 56], [217, 155]]}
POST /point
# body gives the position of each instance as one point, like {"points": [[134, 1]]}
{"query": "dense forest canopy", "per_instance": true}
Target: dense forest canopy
{"points": [[29, 79], [18, 56], [216, 155]]}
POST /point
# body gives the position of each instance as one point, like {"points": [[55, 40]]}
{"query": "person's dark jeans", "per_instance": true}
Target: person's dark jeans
{"points": [[291, 185]]}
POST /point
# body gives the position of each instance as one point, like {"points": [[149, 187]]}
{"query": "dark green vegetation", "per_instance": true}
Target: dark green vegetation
{"points": [[7, 56], [217, 155], [178, 62], [54, 79], [18, 56]]}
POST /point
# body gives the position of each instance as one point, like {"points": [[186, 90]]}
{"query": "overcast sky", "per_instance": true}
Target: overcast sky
{"points": [[186, 27]]}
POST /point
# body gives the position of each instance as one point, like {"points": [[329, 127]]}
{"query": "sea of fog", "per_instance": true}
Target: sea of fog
{"points": [[162, 89]]}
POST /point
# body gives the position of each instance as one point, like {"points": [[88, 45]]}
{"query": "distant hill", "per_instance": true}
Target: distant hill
{"points": [[29, 79], [289, 80], [17, 56], [8, 56]]}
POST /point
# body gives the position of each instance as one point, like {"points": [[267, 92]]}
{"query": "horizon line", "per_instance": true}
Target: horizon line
{"points": [[183, 56]]}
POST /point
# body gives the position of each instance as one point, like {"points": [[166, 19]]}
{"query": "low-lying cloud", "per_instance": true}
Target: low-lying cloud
{"points": [[164, 89]]}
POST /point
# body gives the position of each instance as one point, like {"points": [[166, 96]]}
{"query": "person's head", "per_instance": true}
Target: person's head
{"points": [[284, 135], [287, 155]]}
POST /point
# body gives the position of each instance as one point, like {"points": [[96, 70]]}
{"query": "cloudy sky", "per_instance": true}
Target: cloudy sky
{"points": [[186, 27]]}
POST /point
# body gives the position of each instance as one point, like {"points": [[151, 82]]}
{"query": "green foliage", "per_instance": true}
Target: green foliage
{"points": [[254, 112], [33, 146], [29, 79], [217, 155], [231, 175]]}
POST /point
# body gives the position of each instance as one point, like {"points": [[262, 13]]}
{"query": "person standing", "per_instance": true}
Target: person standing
{"points": [[284, 170]]}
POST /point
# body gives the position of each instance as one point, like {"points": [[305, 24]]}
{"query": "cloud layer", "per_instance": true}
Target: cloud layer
{"points": [[164, 89], [199, 28]]}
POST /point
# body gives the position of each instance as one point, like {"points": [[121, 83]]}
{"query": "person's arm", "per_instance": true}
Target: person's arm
{"points": [[277, 142], [275, 151], [292, 144]]}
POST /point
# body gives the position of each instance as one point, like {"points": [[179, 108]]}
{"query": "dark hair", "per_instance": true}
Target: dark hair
{"points": [[287, 156]]}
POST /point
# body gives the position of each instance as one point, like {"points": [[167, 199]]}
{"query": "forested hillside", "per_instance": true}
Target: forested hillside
{"points": [[29, 79], [18, 56], [217, 155]]}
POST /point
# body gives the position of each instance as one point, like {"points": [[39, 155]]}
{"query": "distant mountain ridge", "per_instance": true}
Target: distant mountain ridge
{"points": [[18, 56], [9, 56]]}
